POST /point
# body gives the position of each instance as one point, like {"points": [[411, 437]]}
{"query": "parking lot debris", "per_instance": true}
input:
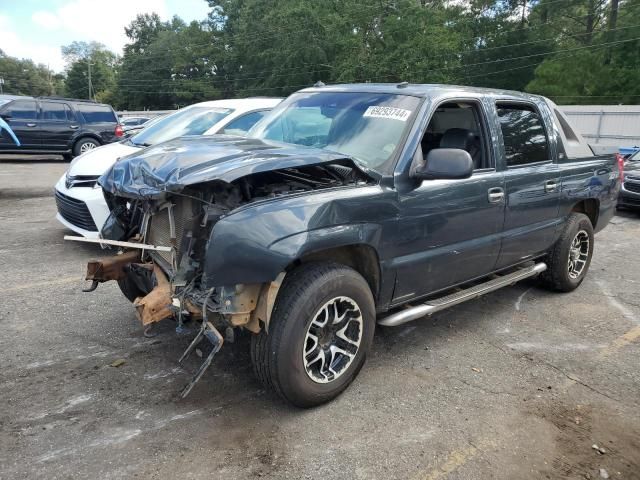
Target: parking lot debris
{"points": [[604, 473], [598, 449], [118, 363]]}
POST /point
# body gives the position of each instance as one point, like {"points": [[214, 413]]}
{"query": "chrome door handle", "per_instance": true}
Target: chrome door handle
{"points": [[550, 186], [495, 195], [31, 124], [73, 127]]}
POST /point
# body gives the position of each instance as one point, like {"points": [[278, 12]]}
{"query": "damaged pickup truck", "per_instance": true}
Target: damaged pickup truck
{"points": [[349, 205]]}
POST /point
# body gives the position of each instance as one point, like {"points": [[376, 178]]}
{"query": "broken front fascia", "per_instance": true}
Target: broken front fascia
{"points": [[172, 195], [247, 306]]}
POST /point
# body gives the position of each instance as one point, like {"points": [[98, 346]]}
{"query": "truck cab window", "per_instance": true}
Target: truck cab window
{"points": [[457, 125], [523, 133]]}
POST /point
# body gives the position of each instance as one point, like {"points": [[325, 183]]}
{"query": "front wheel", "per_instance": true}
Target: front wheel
{"points": [[320, 332], [568, 262]]}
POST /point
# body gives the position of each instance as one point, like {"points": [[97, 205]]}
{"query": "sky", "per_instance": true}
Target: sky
{"points": [[36, 29]]}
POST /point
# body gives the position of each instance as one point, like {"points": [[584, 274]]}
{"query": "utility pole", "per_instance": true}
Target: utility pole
{"points": [[49, 79], [1, 84], [90, 86]]}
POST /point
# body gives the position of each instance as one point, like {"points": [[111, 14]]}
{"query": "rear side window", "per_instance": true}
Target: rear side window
{"points": [[97, 113], [525, 139], [22, 110], [56, 111], [241, 125]]}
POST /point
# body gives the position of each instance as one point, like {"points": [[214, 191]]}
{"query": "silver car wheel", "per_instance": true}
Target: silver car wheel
{"points": [[332, 339], [86, 146], [578, 254]]}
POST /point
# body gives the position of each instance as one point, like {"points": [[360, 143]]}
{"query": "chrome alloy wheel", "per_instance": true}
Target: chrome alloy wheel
{"points": [[332, 339], [85, 147], [578, 254]]}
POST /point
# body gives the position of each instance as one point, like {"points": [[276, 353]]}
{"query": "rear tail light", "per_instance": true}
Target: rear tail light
{"points": [[119, 131], [620, 160]]}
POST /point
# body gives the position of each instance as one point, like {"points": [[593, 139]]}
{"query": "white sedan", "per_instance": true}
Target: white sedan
{"points": [[81, 205]]}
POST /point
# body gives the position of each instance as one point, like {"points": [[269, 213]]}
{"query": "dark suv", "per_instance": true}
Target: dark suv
{"points": [[57, 125]]}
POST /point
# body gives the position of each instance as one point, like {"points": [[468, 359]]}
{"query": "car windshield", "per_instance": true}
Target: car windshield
{"points": [[194, 120], [635, 157], [366, 126]]}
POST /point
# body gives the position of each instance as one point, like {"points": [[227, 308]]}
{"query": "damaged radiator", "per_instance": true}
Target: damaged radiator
{"points": [[178, 214]]}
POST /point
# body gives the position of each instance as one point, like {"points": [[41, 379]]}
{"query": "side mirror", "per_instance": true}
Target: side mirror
{"points": [[5, 116], [445, 164]]}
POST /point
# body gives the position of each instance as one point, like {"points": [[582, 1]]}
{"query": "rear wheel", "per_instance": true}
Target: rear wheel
{"points": [[320, 331], [84, 145], [570, 258]]}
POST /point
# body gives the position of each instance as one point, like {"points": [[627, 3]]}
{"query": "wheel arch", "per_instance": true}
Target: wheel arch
{"points": [[363, 258], [589, 207]]}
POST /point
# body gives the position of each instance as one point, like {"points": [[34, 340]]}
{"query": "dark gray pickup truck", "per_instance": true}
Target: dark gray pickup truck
{"points": [[349, 206]]}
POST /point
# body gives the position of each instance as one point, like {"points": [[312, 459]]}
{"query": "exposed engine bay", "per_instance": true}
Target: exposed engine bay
{"points": [[166, 240]]}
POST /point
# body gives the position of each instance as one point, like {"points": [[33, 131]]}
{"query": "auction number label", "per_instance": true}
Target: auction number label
{"points": [[388, 112]]}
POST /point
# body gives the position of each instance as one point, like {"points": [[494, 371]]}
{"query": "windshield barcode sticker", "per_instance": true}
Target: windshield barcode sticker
{"points": [[388, 112]]}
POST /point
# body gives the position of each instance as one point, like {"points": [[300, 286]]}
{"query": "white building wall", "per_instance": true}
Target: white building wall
{"points": [[616, 125]]}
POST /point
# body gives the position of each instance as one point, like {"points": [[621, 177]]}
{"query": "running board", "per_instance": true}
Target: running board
{"points": [[437, 304]]}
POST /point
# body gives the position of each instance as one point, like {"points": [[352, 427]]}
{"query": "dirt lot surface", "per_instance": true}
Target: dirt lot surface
{"points": [[519, 384]]}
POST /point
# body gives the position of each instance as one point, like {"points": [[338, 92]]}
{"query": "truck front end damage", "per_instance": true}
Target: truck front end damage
{"points": [[164, 229]]}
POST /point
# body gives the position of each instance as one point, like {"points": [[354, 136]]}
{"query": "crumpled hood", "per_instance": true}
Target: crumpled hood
{"points": [[173, 165]]}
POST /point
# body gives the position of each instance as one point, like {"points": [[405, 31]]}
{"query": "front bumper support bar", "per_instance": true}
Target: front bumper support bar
{"points": [[209, 332]]}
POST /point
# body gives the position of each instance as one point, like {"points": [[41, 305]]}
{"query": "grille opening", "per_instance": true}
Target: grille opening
{"points": [[75, 212]]}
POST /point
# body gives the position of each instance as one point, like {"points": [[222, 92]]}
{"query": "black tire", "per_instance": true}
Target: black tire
{"points": [[277, 356], [558, 275], [83, 144], [130, 290]]}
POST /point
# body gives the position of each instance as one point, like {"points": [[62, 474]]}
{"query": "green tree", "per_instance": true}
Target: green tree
{"points": [[599, 61], [24, 77], [167, 64], [82, 56]]}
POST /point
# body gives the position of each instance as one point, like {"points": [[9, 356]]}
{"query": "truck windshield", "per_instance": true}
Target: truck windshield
{"points": [[188, 121], [366, 126]]}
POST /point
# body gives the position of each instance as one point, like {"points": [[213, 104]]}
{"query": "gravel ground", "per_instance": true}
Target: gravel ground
{"points": [[518, 384]]}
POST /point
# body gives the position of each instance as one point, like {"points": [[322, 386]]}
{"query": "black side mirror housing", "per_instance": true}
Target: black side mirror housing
{"points": [[445, 164], [5, 116]]}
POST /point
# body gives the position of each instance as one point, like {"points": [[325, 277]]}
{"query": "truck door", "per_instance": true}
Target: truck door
{"points": [[448, 230], [532, 182], [22, 117]]}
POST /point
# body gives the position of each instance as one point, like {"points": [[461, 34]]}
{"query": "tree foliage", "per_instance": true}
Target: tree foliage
{"points": [[167, 64], [104, 65], [575, 51], [23, 77]]}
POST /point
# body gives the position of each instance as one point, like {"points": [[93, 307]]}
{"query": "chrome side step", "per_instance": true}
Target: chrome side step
{"points": [[437, 304]]}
